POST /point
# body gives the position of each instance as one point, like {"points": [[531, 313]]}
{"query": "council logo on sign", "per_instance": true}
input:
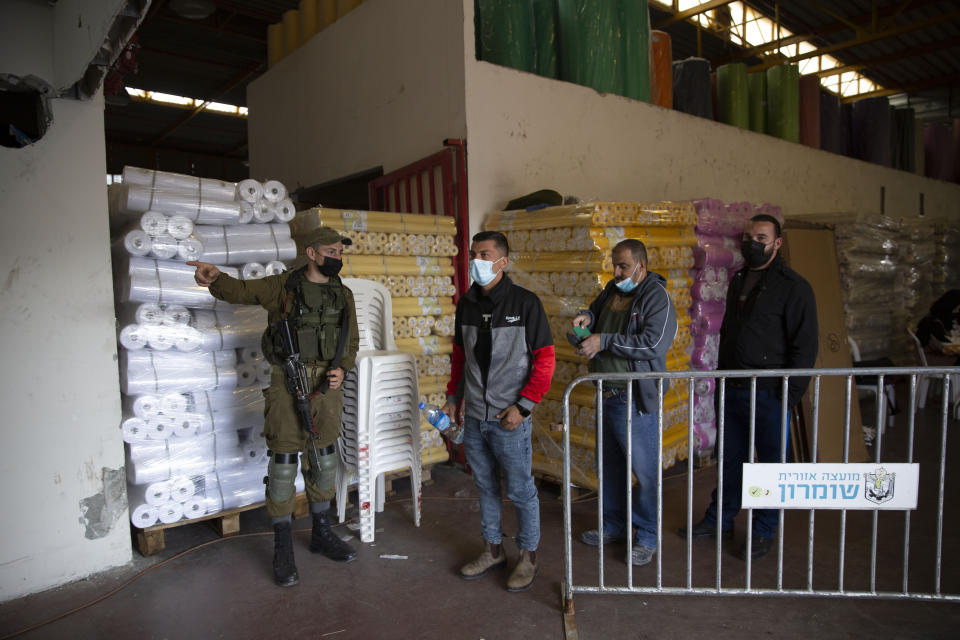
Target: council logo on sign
{"points": [[878, 486]]}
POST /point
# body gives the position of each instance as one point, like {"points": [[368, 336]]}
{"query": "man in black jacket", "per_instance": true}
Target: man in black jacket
{"points": [[632, 324], [770, 322]]}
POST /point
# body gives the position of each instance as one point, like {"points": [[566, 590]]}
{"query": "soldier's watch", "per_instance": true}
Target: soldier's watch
{"points": [[523, 411]]}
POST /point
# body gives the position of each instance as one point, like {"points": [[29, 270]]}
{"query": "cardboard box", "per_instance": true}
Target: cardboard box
{"points": [[811, 253]]}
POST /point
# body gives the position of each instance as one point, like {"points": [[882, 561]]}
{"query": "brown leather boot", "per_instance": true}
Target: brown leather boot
{"points": [[523, 574], [492, 557]]}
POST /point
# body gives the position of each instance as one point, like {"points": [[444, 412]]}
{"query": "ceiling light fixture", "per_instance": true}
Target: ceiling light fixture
{"points": [[193, 9]]}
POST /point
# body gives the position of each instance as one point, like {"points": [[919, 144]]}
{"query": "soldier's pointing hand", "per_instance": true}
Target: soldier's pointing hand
{"points": [[206, 273]]}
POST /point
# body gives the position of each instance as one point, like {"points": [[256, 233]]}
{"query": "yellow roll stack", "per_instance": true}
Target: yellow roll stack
{"points": [[411, 255], [569, 276]]}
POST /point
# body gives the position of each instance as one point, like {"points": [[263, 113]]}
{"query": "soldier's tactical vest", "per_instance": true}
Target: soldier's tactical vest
{"points": [[314, 314]]}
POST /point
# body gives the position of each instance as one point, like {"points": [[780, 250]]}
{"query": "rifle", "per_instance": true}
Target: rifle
{"points": [[298, 384]]}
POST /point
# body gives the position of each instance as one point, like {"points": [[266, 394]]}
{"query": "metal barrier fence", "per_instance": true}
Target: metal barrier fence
{"points": [[570, 588]]}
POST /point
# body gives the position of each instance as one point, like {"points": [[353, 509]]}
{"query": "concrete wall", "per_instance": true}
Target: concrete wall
{"points": [[525, 133], [381, 86], [63, 505], [54, 41]]}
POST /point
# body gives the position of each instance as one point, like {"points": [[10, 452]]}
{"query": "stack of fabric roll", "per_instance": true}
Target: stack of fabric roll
{"points": [[946, 266], [411, 255], [569, 276], [919, 251], [716, 258], [868, 251], [191, 370]]}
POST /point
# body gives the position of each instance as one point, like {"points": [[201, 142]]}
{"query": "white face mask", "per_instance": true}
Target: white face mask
{"points": [[627, 284], [482, 271]]}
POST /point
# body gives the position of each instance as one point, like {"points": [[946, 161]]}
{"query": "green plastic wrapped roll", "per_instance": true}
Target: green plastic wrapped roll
{"points": [[504, 30], [757, 83], [590, 44], [733, 94], [783, 102], [545, 34], [635, 34]]}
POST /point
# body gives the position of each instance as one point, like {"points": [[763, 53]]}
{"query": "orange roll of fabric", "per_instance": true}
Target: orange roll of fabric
{"points": [[662, 71]]}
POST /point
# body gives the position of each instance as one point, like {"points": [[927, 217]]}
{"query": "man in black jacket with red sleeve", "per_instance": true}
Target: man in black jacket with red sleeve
{"points": [[770, 322], [502, 364]]}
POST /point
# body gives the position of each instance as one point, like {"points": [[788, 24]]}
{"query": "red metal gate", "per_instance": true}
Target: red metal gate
{"points": [[434, 185]]}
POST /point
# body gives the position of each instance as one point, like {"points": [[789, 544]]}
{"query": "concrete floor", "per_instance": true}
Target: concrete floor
{"points": [[223, 588]]}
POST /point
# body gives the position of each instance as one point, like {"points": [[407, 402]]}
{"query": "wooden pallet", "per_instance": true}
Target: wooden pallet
{"points": [[226, 523]]}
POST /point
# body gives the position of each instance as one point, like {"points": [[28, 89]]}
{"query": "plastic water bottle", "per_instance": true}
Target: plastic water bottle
{"points": [[432, 414]]}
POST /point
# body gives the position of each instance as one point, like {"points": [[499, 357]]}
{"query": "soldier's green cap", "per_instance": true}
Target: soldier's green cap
{"points": [[325, 235]]}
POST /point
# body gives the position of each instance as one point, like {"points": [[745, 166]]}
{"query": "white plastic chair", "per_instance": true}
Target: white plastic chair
{"points": [[381, 420], [923, 382], [888, 388]]}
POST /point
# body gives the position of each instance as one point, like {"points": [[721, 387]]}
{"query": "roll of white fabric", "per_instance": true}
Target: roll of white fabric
{"points": [[189, 425], [135, 430], [275, 267], [155, 494], [190, 339], [154, 223], [133, 199], [284, 210], [146, 472], [171, 403], [137, 242], [163, 247], [240, 485], [176, 315], [180, 227], [264, 372], [237, 244], [181, 488], [160, 340], [250, 190], [209, 187], [252, 271], [144, 516], [146, 406], [167, 282], [252, 354], [194, 508], [246, 374], [149, 314], [134, 336], [255, 453], [246, 212], [263, 215], [171, 512], [147, 371], [190, 249], [274, 191]]}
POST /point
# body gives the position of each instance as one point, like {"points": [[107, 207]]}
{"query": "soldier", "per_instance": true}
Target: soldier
{"points": [[321, 313]]}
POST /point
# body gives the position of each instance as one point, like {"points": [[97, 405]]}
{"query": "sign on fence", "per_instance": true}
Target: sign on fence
{"points": [[830, 485]]}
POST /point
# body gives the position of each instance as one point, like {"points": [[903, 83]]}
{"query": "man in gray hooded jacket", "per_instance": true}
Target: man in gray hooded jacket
{"points": [[632, 325]]}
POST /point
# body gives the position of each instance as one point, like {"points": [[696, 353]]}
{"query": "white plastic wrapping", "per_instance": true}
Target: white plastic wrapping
{"points": [[239, 244], [208, 187], [133, 199], [165, 282], [149, 371]]}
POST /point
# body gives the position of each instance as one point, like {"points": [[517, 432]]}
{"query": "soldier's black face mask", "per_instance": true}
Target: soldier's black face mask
{"points": [[330, 266], [755, 253]]}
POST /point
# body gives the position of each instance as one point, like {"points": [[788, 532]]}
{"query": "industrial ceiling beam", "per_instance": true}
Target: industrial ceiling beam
{"points": [[893, 57], [755, 51], [689, 13], [233, 83], [870, 37], [940, 81], [205, 27]]}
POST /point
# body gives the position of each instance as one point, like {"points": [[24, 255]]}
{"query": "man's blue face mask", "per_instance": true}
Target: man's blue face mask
{"points": [[482, 271], [627, 284]]}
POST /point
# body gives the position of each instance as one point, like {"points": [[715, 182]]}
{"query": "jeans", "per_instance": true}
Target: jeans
{"points": [[736, 440], [491, 449], [644, 463]]}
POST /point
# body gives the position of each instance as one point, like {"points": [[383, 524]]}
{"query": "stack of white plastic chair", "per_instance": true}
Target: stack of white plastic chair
{"points": [[381, 421]]}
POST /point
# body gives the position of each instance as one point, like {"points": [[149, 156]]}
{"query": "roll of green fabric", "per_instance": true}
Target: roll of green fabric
{"points": [[783, 102], [505, 33], [733, 94], [545, 35], [635, 35], [757, 83], [590, 45]]}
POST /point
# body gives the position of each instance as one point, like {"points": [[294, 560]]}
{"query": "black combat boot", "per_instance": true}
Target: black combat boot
{"points": [[284, 570], [324, 540]]}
